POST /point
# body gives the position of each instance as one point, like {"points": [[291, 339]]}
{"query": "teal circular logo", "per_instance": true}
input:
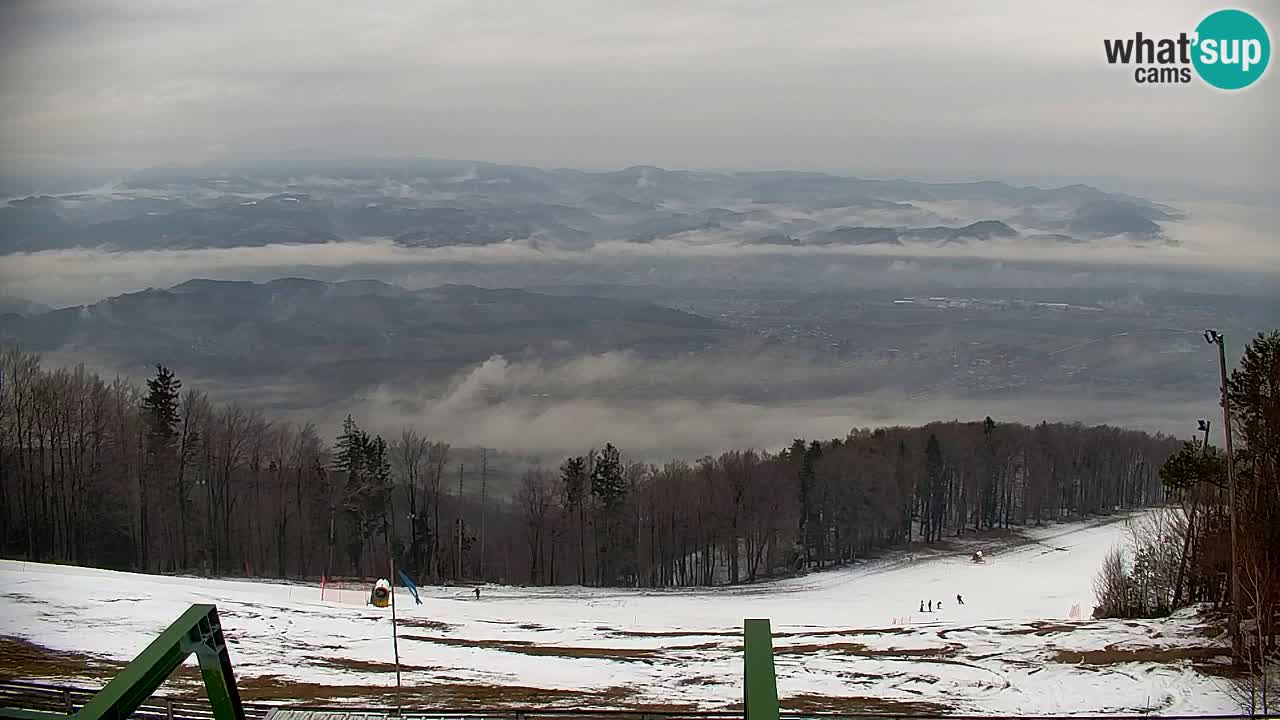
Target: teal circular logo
{"points": [[1232, 49]]}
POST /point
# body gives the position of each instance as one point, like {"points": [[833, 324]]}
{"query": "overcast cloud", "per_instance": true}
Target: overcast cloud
{"points": [[684, 409], [1003, 88]]}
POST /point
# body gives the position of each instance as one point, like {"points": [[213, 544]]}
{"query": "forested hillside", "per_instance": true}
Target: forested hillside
{"points": [[160, 479], [1216, 542]]}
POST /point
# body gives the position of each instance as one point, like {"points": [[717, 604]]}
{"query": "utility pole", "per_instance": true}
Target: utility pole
{"points": [[1213, 337], [484, 469], [460, 469]]}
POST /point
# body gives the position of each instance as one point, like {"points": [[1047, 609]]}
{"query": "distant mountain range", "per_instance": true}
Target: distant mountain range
{"points": [[436, 203], [342, 336], [982, 230]]}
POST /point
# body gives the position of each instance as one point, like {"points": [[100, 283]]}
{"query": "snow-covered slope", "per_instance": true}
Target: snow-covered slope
{"points": [[846, 639]]}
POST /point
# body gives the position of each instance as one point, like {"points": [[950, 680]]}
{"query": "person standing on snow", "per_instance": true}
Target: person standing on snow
{"points": [[930, 606], [959, 600], [921, 606]]}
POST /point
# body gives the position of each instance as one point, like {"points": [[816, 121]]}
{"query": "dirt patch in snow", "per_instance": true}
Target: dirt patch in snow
{"points": [[22, 658], [672, 633], [526, 647], [864, 651], [435, 625], [809, 702], [837, 633], [1112, 655], [1042, 628], [375, 666], [446, 696]]}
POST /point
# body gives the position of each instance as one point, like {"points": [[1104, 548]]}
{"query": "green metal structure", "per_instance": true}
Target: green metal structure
{"points": [[197, 631], [760, 688]]}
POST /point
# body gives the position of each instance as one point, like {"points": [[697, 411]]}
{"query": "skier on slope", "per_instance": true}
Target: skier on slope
{"points": [[921, 606], [477, 592], [930, 606], [959, 600]]}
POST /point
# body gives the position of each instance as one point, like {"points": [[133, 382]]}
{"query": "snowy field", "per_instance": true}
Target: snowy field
{"points": [[850, 639]]}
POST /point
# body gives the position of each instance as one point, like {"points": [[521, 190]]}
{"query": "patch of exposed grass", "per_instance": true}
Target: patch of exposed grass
{"points": [[377, 666], [526, 647], [809, 702], [861, 650], [467, 642], [446, 696], [1114, 656], [838, 633], [1042, 628], [23, 658], [672, 633], [425, 624]]}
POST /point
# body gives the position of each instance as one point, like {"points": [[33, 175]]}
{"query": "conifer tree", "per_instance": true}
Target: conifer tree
{"points": [[160, 415], [573, 479]]}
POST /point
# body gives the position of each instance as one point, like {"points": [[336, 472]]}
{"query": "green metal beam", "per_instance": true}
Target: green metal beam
{"points": [[197, 631], [760, 688]]}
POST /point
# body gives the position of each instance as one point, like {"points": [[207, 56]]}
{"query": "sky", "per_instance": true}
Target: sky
{"points": [[925, 88]]}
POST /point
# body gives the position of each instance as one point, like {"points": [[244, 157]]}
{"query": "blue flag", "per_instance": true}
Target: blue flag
{"points": [[413, 589]]}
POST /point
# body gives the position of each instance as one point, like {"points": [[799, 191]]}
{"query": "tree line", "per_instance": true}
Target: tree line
{"points": [[1184, 556], [159, 478], [1192, 554]]}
